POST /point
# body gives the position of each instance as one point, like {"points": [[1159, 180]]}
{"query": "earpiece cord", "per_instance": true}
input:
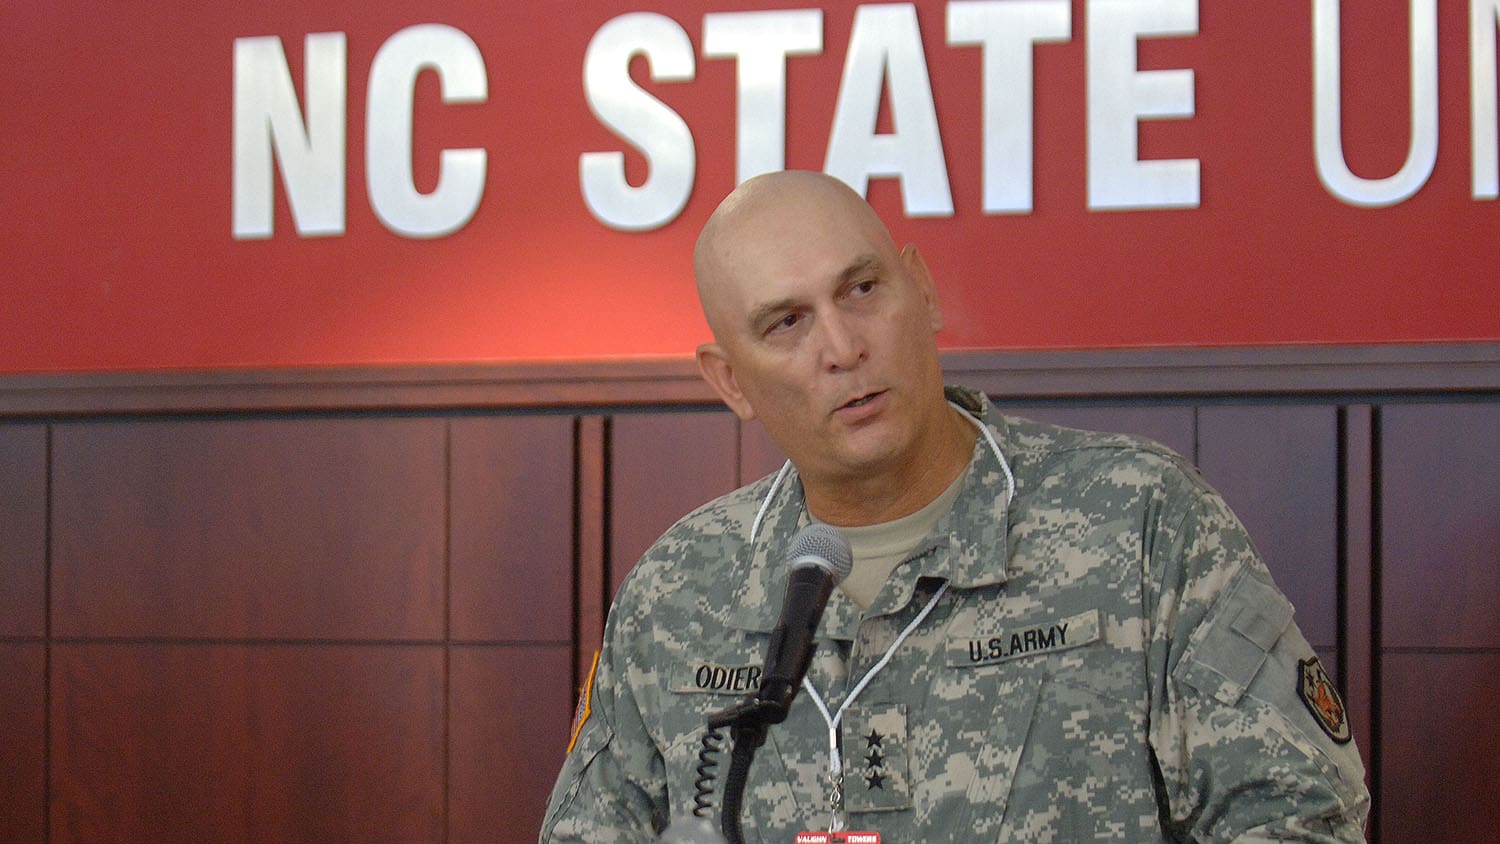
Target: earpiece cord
{"points": [[786, 468]]}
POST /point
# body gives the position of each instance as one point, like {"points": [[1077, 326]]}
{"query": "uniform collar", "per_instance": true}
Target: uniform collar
{"points": [[967, 548]]}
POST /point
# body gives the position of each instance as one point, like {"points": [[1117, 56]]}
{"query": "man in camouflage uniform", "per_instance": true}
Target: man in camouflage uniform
{"points": [[1093, 650]]}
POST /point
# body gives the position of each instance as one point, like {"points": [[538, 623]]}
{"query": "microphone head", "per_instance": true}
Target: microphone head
{"points": [[822, 546]]}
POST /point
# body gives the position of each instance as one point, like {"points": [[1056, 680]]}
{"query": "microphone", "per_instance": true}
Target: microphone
{"points": [[818, 558]]}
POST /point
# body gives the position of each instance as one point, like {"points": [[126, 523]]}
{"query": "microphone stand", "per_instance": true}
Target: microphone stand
{"points": [[748, 721]]}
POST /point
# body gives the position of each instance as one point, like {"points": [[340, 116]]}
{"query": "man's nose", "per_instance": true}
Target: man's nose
{"points": [[843, 345]]}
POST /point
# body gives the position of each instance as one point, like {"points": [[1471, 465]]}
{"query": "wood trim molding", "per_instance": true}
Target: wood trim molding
{"points": [[1234, 371], [1124, 373]]}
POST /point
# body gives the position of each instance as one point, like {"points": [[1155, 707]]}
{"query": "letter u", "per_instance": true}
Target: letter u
{"points": [[1328, 141]]}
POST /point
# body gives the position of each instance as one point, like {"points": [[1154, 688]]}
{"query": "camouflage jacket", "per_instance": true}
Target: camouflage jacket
{"points": [[1110, 662]]}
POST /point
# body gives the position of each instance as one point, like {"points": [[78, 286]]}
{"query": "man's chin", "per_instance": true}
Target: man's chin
{"points": [[868, 458]]}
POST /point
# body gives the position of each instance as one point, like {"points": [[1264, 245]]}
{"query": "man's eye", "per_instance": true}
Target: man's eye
{"points": [[864, 288], [784, 323]]}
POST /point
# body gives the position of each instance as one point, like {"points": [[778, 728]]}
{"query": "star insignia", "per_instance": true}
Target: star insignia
{"points": [[875, 780], [875, 760], [873, 739]]}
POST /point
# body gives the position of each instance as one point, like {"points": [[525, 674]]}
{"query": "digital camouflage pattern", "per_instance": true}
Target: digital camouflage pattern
{"points": [[1111, 662]]}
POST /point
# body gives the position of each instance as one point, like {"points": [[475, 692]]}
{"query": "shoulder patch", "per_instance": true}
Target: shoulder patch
{"points": [[1322, 699], [585, 704]]}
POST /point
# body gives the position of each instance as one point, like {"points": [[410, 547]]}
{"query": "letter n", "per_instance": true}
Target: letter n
{"points": [[268, 122], [1484, 16]]}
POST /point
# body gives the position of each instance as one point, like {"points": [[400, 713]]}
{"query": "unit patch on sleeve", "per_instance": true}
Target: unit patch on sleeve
{"points": [[1322, 700], [585, 704]]}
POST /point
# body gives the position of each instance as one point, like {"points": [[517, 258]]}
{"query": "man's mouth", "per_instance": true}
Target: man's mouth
{"points": [[863, 400]]}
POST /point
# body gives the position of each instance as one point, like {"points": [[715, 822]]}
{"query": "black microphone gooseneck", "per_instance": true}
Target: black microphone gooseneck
{"points": [[818, 558]]}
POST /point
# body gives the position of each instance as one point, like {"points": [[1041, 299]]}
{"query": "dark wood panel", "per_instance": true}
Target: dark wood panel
{"points": [[1440, 525], [1277, 466], [1359, 577], [1170, 426], [23, 742], [511, 523], [1441, 752], [593, 588], [193, 743], [510, 709], [663, 465], [323, 528], [23, 517]]}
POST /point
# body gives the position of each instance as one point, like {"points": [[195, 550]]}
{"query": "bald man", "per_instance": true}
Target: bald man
{"points": [[1048, 635]]}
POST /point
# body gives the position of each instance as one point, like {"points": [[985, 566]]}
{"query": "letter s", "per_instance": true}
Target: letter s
{"points": [[640, 119]]}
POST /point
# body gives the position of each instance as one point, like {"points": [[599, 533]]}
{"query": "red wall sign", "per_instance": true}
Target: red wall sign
{"points": [[328, 184]]}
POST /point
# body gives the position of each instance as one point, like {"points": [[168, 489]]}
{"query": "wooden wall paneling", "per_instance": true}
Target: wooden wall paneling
{"points": [[1172, 426], [1439, 669], [1358, 608], [511, 528], [23, 520], [247, 743], [1277, 466], [509, 712], [1440, 526], [276, 527], [23, 732], [1439, 637], [663, 465], [592, 590], [1441, 747]]}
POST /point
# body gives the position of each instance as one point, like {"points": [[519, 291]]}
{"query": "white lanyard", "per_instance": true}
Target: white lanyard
{"points": [[835, 762]]}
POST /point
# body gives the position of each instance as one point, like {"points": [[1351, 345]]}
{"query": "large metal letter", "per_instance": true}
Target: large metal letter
{"points": [[268, 123], [1120, 95], [761, 41], [1484, 17], [1006, 32], [640, 119], [1328, 138], [887, 39], [388, 131]]}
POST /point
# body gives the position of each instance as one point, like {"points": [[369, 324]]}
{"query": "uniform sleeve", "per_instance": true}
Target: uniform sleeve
{"points": [[1250, 736], [611, 787]]}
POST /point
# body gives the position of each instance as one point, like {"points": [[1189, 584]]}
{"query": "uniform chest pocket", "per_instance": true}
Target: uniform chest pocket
{"points": [[1062, 700], [697, 685], [693, 687]]}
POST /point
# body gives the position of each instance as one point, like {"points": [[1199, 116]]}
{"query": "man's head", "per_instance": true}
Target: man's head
{"points": [[823, 329]]}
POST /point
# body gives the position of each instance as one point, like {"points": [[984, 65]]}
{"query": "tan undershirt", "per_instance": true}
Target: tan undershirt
{"points": [[878, 549]]}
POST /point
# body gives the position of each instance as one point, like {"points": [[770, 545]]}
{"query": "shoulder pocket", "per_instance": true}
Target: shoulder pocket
{"points": [[1237, 635]]}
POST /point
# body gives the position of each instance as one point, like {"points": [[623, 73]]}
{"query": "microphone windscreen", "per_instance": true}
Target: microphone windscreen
{"points": [[822, 546]]}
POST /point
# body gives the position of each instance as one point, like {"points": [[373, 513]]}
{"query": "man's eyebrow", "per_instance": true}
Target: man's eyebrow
{"points": [[761, 313], [859, 266], [856, 268]]}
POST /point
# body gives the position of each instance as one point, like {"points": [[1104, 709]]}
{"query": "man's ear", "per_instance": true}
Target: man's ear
{"points": [[714, 363], [916, 269]]}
